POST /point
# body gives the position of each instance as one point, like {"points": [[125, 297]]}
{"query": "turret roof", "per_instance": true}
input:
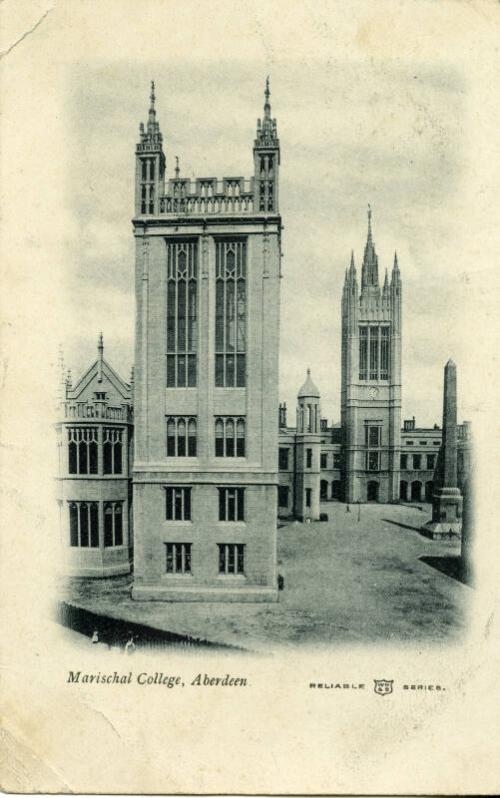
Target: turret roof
{"points": [[308, 388]]}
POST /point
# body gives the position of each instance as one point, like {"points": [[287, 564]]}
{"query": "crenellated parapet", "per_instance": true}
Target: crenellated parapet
{"points": [[206, 196]]}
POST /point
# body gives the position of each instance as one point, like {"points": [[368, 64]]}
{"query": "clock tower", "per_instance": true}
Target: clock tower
{"points": [[371, 381]]}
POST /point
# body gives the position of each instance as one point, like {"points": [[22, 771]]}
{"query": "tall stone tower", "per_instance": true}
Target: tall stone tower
{"points": [[307, 452], [208, 256], [371, 381]]}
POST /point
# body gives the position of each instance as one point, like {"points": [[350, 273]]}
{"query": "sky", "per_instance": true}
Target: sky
{"points": [[386, 133]]}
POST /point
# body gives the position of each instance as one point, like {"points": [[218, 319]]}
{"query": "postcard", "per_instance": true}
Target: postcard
{"points": [[249, 376]]}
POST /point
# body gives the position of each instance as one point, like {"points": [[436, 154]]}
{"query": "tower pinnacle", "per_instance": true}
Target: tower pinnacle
{"points": [[369, 272]]}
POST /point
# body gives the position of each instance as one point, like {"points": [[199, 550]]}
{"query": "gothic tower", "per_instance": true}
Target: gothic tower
{"points": [[307, 452], [371, 381], [208, 254]]}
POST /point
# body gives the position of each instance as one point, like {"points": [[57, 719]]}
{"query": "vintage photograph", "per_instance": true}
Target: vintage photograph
{"points": [[249, 412], [264, 444]]}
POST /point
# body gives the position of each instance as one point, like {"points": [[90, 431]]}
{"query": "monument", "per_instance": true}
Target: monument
{"points": [[447, 500]]}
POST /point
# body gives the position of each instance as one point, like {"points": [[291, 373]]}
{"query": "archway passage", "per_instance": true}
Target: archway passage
{"points": [[416, 491], [429, 490], [403, 491], [323, 490], [372, 491], [336, 489]]}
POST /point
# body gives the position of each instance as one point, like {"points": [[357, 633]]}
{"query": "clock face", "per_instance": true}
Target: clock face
{"points": [[373, 393]]}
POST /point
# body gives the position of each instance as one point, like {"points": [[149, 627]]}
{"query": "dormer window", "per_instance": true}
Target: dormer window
{"points": [[100, 396]]}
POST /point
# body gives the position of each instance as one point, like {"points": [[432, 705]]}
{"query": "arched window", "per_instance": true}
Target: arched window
{"points": [[82, 450], [113, 524], [192, 437], [83, 524], [240, 438], [229, 437], [112, 450], [230, 314], [182, 313], [181, 436], [323, 490], [416, 491], [219, 437]]}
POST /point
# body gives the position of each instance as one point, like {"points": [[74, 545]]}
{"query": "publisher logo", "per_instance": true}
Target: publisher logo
{"points": [[383, 686]]}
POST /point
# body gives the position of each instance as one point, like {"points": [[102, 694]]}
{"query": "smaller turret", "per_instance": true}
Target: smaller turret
{"points": [[266, 154]]}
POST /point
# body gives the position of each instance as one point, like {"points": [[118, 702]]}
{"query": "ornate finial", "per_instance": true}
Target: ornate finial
{"points": [[177, 170], [153, 98], [369, 221], [267, 94], [68, 378], [396, 260], [352, 259], [100, 345], [308, 372]]}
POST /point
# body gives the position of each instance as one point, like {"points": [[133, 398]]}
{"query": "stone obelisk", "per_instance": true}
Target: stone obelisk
{"points": [[447, 500]]}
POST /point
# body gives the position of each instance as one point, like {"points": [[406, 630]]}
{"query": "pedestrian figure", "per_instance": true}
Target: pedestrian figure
{"points": [[130, 645], [95, 637], [347, 508]]}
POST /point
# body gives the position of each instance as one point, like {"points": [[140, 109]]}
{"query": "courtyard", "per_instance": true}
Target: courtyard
{"points": [[367, 575]]}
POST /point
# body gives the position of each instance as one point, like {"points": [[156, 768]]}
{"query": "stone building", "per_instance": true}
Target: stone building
{"points": [[212, 469], [94, 435], [208, 255], [370, 407]]}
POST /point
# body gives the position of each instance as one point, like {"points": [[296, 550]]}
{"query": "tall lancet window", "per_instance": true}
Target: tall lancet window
{"points": [[182, 313], [374, 353], [230, 314], [363, 353], [384, 353]]}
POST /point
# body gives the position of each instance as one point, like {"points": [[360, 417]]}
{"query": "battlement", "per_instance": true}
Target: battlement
{"points": [[209, 195]]}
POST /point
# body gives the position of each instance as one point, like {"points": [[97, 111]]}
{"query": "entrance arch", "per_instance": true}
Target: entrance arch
{"points": [[336, 489], [416, 491], [323, 490], [429, 490], [372, 491], [403, 491]]}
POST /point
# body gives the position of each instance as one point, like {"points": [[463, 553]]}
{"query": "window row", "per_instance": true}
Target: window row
{"points": [[231, 558], [83, 447], [374, 352], [178, 504], [430, 461], [230, 313], [84, 524], [182, 436]]}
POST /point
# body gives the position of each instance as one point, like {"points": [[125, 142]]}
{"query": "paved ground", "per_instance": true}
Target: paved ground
{"points": [[372, 579]]}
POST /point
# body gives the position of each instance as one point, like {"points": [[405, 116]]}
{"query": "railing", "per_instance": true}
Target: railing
{"points": [[207, 205], [84, 410]]}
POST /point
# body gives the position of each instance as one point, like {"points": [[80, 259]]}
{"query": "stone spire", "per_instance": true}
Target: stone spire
{"points": [[267, 134], [385, 291], [369, 272], [100, 355], [151, 134]]}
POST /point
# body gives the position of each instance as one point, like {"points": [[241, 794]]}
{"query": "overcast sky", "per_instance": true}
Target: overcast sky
{"points": [[351, 134]]}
